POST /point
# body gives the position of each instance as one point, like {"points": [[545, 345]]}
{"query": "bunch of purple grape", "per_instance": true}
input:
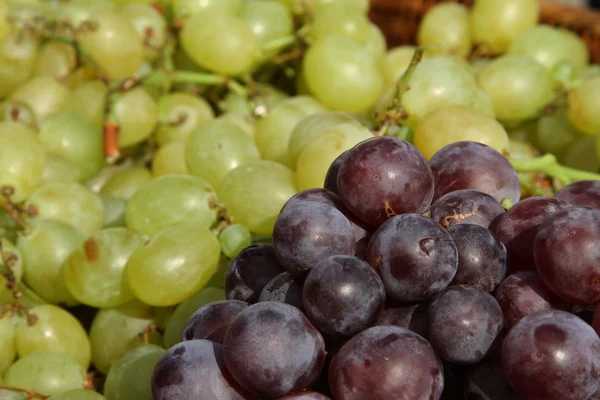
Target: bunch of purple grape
{"points": [[406, 279]]}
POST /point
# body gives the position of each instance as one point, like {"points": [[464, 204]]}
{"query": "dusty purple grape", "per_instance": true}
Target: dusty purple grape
{"points": [[332, 173], [211, 321], [396, 316], [465, 207], [285, 288], [486, 381], [581, 193], [307, 395]]}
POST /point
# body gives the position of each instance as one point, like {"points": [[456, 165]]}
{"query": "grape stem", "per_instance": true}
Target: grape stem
{"points": [[30, 394], [262, 238], [548, 164]]}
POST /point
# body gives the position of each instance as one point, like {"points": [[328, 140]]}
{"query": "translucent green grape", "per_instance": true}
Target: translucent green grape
{"points": [[396, 62], [57, 169], [8, 345], [376, 42], [78, 394], [44, 95], [17, 58], [188, 8], [135, 112], [337, 18], [234, 238], [88, 99], [484, 103], [126, 182], [56, 60], [246, 122], [268, 21], [308, 104], [178, 114], [582, 154], [582, 107], [114, 211], [170, 159], [555, 133], [266, 96], [150, 25], [447, 27], [96, 183]]}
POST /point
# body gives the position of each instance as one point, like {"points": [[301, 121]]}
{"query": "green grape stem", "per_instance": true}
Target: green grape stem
{"points": [[30, 395], [549, 165], [267, 238]]}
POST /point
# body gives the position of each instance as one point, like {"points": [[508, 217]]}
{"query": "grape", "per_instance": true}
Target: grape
{"points": [[188, 8], [481, 258], [383, 177], [234, 238], [447, 27], [376, 42], [150, 26], [370, 364], [78, 12], [463, 323], [126, 182], [456, 124], [135, 112], [114, 211], [596, 320], [471, 165], [415, 257], [130, 377], [262, 101], [339, 62], [268, 21], [336, 18], [308, 231], [465, 207], [343, 296], [56, 60], [215, 148], [555, 133], [565, 256], [486, 381], [305, 395], [22, 159], [271, 349], [400, 317], [584, 193], [78, 394], [46, 372], [582, 154], [195, 369], [519, 226], [170, 159], [395, 63], [211, 321], [88, 99], [179, 114], [169, 200], [17, 58], [332, 173], [552, 355], [44, 95], [8, 345], [284, 288], [524, 293], [255, 192], [582, 105], [484, 103]]}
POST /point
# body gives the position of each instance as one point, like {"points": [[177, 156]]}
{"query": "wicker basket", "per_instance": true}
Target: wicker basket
{"points": [[399, 20]]}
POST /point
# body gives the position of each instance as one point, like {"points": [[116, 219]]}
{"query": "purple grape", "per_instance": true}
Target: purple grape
{"points": [[307, 232], [383, 177], [211, 321], [415, 257], [307, 395], [386, 363], [272, 349], [396, 316], [581, 193], [332, 173], [567, 254], [466, 207], [494, 224], [486, 381], [284, 288], [552, 355], [463, 323], [481, 258], [596, 320], [524, 293], [343, 296], [250, 271], [195, 369], [472, 165]]}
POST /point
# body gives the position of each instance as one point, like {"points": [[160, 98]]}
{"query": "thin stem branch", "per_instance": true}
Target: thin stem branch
{"points": [[30, 394], [548, 164]]}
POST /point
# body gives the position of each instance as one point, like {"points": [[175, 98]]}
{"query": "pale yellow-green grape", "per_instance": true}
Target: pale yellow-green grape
{"points": [[233, 239], [6, 294], [525, 131], [396, 62], [22, 159], [17, 58], [115, 330], [80, 75], [220, 43], [56, 60], [247, 123], [69, 202], [452, 124], [337, 18], [174, 264], [447, 27], [384, 101], [114, 211], [215, 148], [268, 21], [582, 108], [555, 133], [519, 87], [484, 103], [75, 139], [266, 97], [169, 159], [88, 100], [184, 311], [94, 272], [17, 112], [150, 25], [131, 376], [549, 45], [76, 12], [495, 24], [376, 42], [114, 44], [178, 114], [126, 182], [57, 169], [78, 394], [47, 372], [8, 345], [55, 329], [44, 251], [5, 27], [135, 112], [96, 183], [308, 104], [170, 200], [581, 154], [43, 94], [342, 74], [317, 156], [479, 64], [189, 8], [589, 72], [255, 192]]}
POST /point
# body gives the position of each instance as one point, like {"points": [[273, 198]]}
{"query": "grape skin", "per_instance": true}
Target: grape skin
{"points": [[584, 193], [332, 173], [211, 321], [284, 288], [465, 207], [307, 395], [486, 381], [396, 316]]}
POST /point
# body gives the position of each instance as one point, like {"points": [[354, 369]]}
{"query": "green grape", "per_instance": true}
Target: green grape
{"points": [[336, 18], [170, 159], [71, 203], [524, 131], [135, 112], [43, 94], [94, 272], [308, 104], [495, 24], [22, 159], [6, 294], [484, 103], [247, 123], [589, 72], [126, 182], [189, 8], [114, 44], [446, 26], [555, 133], [17, 112], [114, 211], [342, 74], [255, 192], [184, 311], [130, 378], [17, 57], [88, 100], [549, 45], [317, 156], [395, 63], [266, 96], [8, 346], [519, 87], [75, 139], [150, 25], [46, 372], [174, 264], [178, 115], [4, 23], [452, 124], [96, 183], [54, 330], [12, 395], [581, 154], [220, 43], [582, 107], [169, 200], [233, 239], [57, 169], [268, 21], [56, 60], [376, 42], [76, 12], [565, 74], [78, 394]]}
